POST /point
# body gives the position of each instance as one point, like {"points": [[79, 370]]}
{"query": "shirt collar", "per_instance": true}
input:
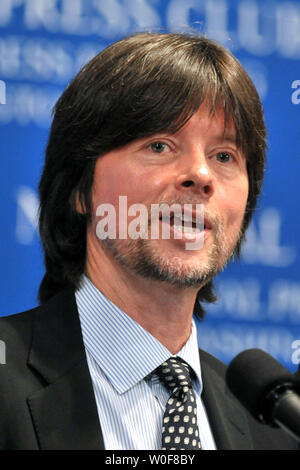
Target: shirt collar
{"points": [[125, 351]]}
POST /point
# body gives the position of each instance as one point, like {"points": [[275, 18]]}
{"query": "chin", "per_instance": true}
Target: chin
{"points": [[166, 264]]}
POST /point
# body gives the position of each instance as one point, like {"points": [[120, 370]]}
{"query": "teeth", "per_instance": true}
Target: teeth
{"points": [[188, 220], [184, 220], [178, 221], [185, 223], [187, 229]]}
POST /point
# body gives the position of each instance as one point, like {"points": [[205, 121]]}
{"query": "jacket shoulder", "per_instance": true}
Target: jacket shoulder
{"points": [[214, 363], [15, 330]]}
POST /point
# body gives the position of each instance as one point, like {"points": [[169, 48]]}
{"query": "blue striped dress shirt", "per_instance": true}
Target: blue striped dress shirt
{"points": [[120, 355]]}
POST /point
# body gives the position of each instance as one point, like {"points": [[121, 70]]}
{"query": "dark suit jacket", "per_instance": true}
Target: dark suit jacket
{"points": [[47, 399]]}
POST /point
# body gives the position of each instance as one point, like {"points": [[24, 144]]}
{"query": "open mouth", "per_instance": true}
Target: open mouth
{"points": [[185, 223]]}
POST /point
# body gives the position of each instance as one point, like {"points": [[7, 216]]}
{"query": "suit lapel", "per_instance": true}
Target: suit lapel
{"points": [[227, 419], [64, 411]]}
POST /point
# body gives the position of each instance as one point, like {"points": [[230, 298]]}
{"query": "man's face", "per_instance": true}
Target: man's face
{"points": [[197, 165]]}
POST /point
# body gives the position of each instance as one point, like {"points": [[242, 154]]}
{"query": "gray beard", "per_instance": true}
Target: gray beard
{"points": [[139, 257], [142, 258]]}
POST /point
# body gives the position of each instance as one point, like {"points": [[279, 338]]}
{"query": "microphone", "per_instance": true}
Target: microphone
{"points": [[269, 391]]}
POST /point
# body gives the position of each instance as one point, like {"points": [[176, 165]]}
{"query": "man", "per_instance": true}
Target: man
{"points": [[161, 119]]}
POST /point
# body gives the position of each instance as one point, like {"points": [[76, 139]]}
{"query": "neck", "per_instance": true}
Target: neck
{"points": [[162, 309]]}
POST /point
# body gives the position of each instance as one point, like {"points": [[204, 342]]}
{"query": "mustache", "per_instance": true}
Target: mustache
{"points": [[213, 216]]}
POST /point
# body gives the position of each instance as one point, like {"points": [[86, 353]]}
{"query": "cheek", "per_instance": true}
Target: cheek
{"points": [[110, 183], [234, 202]]}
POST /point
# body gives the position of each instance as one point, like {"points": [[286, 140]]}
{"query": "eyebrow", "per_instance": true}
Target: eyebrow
{"points": [[231, 138]]}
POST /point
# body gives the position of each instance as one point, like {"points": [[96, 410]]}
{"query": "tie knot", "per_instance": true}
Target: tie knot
{"points": [[175, 374]]}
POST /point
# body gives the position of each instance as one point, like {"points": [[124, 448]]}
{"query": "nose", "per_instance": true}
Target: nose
{"points": [[196, 176]]}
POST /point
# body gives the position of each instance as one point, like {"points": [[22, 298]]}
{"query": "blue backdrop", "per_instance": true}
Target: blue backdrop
{"points": [[43, 43]]}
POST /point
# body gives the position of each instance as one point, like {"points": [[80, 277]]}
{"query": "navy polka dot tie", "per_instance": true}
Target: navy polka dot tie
{"points": [[180, 428]]}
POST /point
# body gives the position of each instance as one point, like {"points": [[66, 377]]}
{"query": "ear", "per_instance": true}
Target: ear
{"points": [[77, 202]]}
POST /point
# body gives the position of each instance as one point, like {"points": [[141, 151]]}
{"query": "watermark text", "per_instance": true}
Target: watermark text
{"points": [[296, 354], [295, 97], [178, 221], [2, 92], [2, 352]]}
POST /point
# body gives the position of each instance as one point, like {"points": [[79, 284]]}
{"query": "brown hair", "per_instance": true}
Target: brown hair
{"points": [[138, 86]]}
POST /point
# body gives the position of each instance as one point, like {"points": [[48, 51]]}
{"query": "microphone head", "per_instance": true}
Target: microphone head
{"points": [[253, 376]]}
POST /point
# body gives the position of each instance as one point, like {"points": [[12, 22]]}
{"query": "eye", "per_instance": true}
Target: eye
{"points": [[223, 157], [158, 147]]}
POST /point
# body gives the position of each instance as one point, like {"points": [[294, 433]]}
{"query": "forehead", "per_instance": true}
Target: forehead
{"points": [[215, 121]]}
